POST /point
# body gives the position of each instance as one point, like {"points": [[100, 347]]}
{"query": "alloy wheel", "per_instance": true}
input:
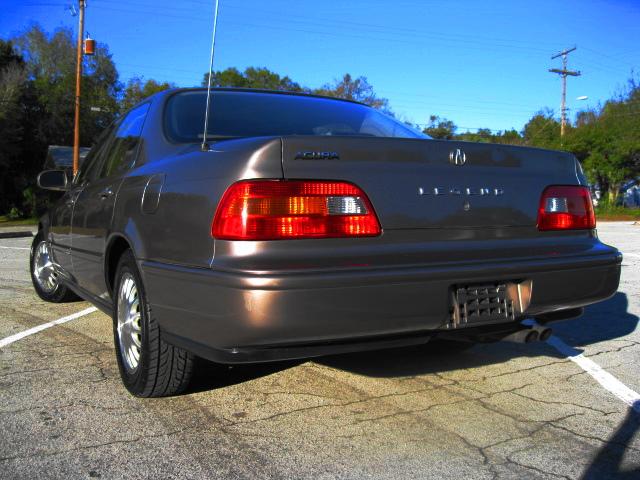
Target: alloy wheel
{"points": [[129, 322]]}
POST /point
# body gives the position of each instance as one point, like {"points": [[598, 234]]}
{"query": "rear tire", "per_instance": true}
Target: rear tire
{"points": [[149, 366], [45, 279]]}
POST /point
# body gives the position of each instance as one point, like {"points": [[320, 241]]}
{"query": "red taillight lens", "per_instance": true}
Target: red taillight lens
{"points": [[290, 209], [566, 208]]}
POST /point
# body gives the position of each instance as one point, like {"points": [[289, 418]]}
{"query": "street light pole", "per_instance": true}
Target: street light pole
{"points": [[76, 128]]}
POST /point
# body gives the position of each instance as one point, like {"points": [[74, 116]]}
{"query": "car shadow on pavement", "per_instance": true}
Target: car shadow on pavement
{"points": [[607, 462], [604, 321], [211, 376]]}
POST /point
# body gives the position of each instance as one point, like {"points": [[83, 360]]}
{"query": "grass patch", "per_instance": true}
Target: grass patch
{"points": [[5, 222], [607, 212]]}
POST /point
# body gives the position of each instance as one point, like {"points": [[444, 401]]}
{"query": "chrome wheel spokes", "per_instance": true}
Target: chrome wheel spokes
{"points": [[129, 322], [43, 270]]}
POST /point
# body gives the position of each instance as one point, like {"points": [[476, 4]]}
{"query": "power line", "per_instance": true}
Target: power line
{"points": [[315, 21], [409, 37]]}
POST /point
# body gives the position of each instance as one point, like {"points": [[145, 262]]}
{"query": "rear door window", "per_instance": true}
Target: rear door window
{"points": [[121, 151]]}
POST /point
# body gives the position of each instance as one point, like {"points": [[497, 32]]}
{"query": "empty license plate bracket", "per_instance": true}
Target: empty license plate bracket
{"points": [[488, 303]]}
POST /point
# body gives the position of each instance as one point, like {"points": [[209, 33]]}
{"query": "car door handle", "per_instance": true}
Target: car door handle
{"points": [[106, 193]]}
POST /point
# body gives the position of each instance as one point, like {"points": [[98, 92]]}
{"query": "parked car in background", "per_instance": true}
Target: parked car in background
{"points": [[595, 194], [311, 226], [630, 194], [61, 158]]}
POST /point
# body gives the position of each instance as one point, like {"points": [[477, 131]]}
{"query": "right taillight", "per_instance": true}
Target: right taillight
{"points": [[566, 207]]}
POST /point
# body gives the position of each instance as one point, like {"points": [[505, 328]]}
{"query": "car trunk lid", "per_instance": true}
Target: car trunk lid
{"points": [[416, 184]]}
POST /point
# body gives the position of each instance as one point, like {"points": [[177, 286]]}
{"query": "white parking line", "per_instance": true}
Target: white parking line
{"points": [[18, 336], [634, 255], [604, 378], [16, 248]]}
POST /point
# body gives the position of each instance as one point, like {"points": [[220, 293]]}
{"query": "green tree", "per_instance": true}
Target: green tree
{"points": [[137, 90], [358, 89], [607, 141], [542, 131], [485, 135], [51, 65], [43, 65], [510, 137], [12, 84], [440, 128], [252, 77]]}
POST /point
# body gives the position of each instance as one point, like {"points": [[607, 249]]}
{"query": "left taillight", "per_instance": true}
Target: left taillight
{"points": [[293, 209], [566, 207]]}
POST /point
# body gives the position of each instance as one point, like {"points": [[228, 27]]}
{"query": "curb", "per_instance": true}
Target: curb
{"points": [[23, 234]]}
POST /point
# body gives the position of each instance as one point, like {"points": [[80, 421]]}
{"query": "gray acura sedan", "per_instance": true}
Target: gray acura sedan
{"points": [[310, 226]]}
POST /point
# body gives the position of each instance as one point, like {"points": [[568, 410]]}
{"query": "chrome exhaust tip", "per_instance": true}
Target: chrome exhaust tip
{"points": [[526, 335], [544, 333]]}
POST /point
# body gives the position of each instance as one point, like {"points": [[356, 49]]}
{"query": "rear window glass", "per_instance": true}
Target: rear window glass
{"points": [[242, 114]]}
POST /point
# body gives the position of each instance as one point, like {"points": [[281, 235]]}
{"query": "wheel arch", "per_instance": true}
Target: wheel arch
{"points": [[117, 245]]}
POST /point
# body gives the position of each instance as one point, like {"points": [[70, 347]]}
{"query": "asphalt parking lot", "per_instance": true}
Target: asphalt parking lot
{"points": [[496, 411]]}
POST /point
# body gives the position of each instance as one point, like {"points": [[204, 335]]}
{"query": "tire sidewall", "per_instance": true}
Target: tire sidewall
{"points": [[136, 381]]}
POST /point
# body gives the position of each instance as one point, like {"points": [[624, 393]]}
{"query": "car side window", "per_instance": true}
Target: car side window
{"points": [[92, 162], [121, 151]]}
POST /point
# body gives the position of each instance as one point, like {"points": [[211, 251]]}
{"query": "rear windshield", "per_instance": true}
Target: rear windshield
{"points": [[241, 114]]}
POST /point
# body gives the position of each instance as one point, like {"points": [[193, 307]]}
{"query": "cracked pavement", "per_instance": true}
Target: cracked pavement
{"points": [[495, 411]]}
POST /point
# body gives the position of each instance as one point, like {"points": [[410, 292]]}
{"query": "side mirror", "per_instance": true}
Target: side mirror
{"points": [[53, 180]]}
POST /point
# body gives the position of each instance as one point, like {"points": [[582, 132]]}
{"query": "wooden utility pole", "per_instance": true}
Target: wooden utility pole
{"points": [[564, 73], [76, 128]]}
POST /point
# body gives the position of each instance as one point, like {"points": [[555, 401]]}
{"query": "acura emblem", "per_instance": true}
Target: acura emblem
{"points": [[457, 157]]}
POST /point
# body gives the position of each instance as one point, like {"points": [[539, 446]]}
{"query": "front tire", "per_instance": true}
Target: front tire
{"points": [[45, 279], [149, 366]]}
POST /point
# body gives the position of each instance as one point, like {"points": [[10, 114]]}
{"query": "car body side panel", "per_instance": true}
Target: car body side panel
{"points": [[59, 229], [178, 229], [92, 221]]}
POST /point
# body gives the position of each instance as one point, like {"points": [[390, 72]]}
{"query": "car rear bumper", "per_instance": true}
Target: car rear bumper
{"points": [[237, 317]]}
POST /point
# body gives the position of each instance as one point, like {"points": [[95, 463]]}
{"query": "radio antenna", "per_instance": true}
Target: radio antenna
{"points": [[205, 145]]}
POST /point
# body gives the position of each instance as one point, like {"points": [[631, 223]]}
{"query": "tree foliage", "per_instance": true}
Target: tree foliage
{"points": [[349, 88], [358, 89], [440, 128], [37, 84], [485, 135], [543, 130], [12, 78], [137, 90], [252, 77], [607, 141]]}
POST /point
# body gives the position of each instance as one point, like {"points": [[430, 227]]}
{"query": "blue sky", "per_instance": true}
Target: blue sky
{"points": [[478, 63]]}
